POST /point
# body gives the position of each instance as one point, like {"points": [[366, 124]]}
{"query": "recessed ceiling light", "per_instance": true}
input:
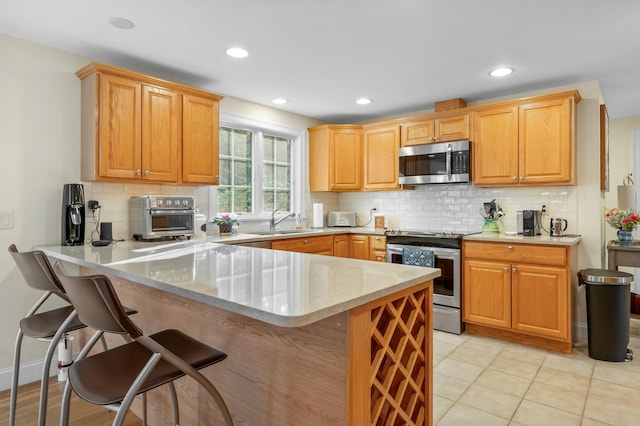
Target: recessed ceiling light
{"points": [[237, 52], [121, 23], [363, 101], [501, 72], [280, 101]]}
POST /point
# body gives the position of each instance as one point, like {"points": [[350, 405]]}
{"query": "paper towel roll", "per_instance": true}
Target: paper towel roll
{"points": [[626, 197], [318, 215]]}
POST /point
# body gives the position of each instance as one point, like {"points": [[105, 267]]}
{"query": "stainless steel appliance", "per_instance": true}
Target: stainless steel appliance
{"points": [[529, 222], [556, 228], [447, 291], [444, 162], [347, 219], [73, 217], [161, 216]]}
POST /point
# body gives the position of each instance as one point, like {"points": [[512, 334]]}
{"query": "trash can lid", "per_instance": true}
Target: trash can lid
{"points": [[605, 276]]}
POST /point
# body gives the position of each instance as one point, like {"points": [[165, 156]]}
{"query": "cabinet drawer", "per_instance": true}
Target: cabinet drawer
{"points": [[525, 253], [378, 242], [323, 244]]}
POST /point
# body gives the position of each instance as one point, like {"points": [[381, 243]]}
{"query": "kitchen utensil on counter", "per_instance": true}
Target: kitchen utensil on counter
{"points": [[555, 227]]}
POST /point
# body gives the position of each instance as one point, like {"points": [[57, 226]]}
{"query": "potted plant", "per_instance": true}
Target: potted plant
{"points": [[625, 221], [225, 223]]}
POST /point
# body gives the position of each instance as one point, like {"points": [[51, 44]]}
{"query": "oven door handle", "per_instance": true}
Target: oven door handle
{"points": [[153, 212]]}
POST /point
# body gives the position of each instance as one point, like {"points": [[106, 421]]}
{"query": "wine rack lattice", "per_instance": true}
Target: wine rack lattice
{"points": [[398, 361]]}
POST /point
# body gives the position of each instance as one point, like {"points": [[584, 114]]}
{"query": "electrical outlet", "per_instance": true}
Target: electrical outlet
{"points": [[93, 204]]}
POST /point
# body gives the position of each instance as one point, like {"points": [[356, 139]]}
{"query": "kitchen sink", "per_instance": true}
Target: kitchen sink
{"points": [[283, 232]]}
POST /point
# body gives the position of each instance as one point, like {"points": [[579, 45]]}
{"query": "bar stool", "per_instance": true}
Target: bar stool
{"points": [[48, 325], [114, 377]]}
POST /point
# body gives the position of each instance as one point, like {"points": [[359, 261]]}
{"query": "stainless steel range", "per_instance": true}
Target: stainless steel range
{"points": [[447, 290]]}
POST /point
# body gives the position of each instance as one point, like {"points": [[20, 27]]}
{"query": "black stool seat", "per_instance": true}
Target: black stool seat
{"points": [[104, 378]]}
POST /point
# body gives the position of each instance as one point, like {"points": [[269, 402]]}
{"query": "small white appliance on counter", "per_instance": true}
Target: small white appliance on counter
{"points": [[346, 219], [161, 216]]}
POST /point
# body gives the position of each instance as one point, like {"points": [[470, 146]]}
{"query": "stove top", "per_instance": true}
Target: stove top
{"points": [[424, 233]]}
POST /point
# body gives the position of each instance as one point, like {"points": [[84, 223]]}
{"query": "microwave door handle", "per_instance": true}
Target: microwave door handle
{"points": [[449, 160]]}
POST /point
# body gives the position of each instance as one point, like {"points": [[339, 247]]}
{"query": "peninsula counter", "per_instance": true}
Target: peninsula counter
{"points": [[311, 339]]}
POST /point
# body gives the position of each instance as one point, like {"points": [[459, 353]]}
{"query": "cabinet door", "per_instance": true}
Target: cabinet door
{"points": [[359, 247], [199, 140], [418, 132], [315, 245], [487, 293], [341, 245], [381, 146], [120, 127], [378, 246], [495, 147], [546, 142], [345, 163], [160, 134], [540, 300], [453, 128]]}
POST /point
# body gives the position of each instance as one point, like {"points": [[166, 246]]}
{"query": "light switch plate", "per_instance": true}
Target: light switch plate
{"points": [[6, 220]]}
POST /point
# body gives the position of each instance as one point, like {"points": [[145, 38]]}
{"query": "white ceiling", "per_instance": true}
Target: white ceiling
{"points": [[323, 54]]}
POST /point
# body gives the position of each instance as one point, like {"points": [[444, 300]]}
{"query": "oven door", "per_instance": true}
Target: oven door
{"points": [[446, 288], [171, 222]]}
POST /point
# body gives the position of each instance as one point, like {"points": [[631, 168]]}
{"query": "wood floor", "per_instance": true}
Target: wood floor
{"points": [[82, 413]]}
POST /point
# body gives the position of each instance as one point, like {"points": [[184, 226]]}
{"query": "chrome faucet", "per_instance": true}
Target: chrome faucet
{"points": [[274, 222]]}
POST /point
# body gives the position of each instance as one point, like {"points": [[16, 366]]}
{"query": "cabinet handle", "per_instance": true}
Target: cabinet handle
{"points": [[510, 248], [513, 270], [337, 240], [146, 173], [138, 171], [520, 177], [513, 178], [305, 242], [506, 269], [377, 238]]}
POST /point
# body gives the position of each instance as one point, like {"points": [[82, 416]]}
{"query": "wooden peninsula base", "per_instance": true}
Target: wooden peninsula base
{"points": [[370, 365]]}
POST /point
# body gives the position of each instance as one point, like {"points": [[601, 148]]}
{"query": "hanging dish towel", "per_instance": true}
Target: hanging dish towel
{"points": [[417, 257]]}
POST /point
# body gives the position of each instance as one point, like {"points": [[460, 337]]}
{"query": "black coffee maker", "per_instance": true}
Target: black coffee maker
{"points": [[73, 214]]}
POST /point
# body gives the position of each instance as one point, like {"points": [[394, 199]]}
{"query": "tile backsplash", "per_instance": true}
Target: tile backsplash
{"points": [[456, 208], [114, 202]]}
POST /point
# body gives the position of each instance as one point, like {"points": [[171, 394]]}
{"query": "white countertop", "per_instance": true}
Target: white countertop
{"points": [[539, 239], [281, 288]]}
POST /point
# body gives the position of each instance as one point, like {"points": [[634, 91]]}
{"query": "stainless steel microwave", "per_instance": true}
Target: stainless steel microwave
{"points": [[443, 162]]}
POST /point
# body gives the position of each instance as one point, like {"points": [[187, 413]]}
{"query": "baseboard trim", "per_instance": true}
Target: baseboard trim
{"points": [[29, 372]]}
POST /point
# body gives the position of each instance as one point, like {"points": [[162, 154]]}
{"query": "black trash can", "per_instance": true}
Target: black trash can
{"points": [[608, 308]]}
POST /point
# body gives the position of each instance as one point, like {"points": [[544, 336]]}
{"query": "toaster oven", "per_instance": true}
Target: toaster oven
{"points": [[346, 219], [161, 216]]}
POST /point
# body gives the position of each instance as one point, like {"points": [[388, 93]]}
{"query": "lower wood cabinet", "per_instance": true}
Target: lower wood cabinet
{"points": [[378, 248], [341, 245], [359, 247], [519, 292], [314, 245]]}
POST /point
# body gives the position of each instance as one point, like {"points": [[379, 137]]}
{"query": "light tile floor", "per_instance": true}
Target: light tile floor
{"points": [[483, 381]]}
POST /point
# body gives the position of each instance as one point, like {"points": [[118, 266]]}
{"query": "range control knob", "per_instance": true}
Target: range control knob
{"points": [[159, 202]]}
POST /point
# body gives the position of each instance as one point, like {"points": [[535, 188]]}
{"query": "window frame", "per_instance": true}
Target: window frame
{"points": [[298, 178]]}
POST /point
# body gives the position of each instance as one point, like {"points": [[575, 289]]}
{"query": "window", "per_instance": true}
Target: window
{"points": [[259, 163]]}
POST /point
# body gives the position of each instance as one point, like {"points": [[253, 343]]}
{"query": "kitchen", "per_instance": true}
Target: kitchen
{"points": [[44, 151]]}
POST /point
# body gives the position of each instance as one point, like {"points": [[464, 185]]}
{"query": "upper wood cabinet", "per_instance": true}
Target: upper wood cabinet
{"points": [[140, 128], [335, 158], [526, 142], [381, 144], [200, 146], [435, 129]]}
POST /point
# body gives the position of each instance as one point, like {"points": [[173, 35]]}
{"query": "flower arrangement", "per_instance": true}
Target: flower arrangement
{"points": [[624, 220], [224, 219]]}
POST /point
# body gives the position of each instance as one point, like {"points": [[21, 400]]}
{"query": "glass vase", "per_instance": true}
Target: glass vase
{"points": [[625, 237]]}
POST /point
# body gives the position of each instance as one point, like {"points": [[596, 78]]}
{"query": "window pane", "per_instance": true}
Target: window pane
{"points": [[242, 144], [282, 201], [224, 199], [268, 148], [268, 176], [242, 173], [242, 200], [225, 170], [283, 154], [267, 201], [224, 141], [282, 177]]}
